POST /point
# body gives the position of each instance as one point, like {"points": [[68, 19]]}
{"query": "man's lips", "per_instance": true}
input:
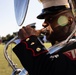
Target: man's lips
{"points": [[45, 31]]}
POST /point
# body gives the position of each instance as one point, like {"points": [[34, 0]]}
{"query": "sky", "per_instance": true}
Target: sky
{"points": [[8, 23]]}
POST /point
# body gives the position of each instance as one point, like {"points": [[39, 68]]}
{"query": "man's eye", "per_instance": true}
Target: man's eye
{"points": [[62, 21]]}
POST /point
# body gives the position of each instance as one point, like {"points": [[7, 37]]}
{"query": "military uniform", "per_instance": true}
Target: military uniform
{"points": [[37, 61]]}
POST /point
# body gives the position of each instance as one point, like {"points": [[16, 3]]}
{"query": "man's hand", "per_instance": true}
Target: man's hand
{"points": [[27, 31]]}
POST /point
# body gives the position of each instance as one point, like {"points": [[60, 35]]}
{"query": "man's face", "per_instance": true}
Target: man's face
{"points": [[57, 26]]}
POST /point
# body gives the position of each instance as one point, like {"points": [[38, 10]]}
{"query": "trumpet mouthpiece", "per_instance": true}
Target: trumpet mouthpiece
{"points": [[42, 31]]}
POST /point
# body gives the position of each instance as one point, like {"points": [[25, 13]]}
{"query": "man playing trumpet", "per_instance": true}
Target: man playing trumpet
{"points": [[59, 24]]}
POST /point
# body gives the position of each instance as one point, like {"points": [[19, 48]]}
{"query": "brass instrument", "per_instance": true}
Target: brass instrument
{"points": [[21, 7], [20, 20], [51, 50], [16, 71]]}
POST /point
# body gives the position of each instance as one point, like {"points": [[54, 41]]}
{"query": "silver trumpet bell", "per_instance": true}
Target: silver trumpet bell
{"points": [[21, 7]]}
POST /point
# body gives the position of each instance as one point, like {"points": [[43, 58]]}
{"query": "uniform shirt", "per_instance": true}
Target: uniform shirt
{"points": [[36, 59]]}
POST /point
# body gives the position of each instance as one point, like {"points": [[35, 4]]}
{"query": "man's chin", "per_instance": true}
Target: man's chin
{"points": [[59, 39], [56, 38]]}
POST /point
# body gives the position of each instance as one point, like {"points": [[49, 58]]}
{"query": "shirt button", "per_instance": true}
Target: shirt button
{"points": [[27, 39], [32, 43], [38, 49]]}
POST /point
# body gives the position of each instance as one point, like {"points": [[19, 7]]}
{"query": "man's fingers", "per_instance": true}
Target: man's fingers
{"points": [[22, 33]]}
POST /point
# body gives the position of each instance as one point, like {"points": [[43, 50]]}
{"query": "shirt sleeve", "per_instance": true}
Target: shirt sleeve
{"points": [[37, 61]]}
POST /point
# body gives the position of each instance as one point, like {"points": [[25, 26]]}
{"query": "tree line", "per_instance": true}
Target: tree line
{"points": [[8, 37]]}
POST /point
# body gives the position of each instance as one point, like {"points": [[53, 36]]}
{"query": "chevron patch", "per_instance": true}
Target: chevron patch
{"points": [[71, 54]]}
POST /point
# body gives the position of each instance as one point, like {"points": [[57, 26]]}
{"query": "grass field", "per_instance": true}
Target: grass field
{"points": [[5, 69]]}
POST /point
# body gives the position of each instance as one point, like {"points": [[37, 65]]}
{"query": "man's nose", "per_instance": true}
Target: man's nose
{"points": [[44, 24]]}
